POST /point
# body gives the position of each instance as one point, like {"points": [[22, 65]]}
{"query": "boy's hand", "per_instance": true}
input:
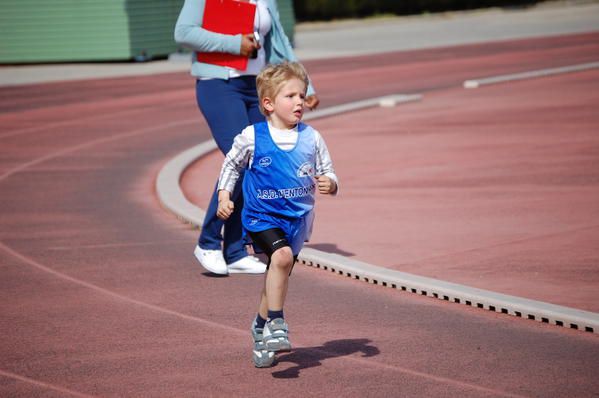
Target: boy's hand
{"points": [[225, 209], [225, 205], [312, 102], [326, 185]]}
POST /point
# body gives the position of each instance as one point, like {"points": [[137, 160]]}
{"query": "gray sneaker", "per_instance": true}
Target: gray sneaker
{"points": [[275, 335], [260, 355]]}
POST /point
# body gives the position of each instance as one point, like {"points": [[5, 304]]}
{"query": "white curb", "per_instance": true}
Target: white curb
{"points": [[172, 198]]}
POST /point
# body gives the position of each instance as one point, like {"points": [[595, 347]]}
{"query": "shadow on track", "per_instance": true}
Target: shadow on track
{"points": [[330, 248], [310, 357], [213, 275]]}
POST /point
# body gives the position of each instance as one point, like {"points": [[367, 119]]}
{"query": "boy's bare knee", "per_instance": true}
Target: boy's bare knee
{"points": [[282, 257]]}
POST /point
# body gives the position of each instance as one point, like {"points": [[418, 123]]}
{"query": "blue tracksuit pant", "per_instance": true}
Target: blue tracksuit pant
{"points": [[228, 106]]}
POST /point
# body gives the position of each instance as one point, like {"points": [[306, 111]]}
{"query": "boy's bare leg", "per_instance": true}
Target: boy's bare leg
{"points": [[263, 309], [260, 355], [277, 278]]}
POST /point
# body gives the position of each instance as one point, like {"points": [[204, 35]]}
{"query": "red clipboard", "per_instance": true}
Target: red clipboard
{"points": [[230, 17]]}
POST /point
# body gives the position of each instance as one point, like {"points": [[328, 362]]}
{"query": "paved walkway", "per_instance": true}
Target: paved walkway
{"points": [[347, 38]]}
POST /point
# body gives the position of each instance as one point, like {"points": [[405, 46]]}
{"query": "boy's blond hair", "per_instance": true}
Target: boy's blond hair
{"points": [[271, 78]]}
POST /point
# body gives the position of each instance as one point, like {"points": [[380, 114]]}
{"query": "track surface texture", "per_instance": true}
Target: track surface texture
{"points": [[100, 294], [495, 188]]}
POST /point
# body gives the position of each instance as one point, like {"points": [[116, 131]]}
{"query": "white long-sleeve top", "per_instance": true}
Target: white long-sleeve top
{"points": [[242, 154]]}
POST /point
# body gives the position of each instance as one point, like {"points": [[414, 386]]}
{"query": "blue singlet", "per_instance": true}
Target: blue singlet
{"points": [[278, 188]]}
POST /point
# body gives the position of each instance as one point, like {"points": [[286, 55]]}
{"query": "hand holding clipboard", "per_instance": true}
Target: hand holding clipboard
{"points": [[230, 17], [250, 44]]}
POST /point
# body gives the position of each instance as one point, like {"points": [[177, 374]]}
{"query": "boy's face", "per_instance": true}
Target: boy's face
{"points": [[287, 108]]}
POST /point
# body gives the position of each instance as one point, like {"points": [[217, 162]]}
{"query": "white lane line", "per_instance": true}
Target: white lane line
{"points": [[38, 383], [89, 144], [386, 101], [170, 194], [101, 246], [475, 83], [45, 126], [208, 323], [172, 198], [192, 154], [365, 360], [115, 295]]}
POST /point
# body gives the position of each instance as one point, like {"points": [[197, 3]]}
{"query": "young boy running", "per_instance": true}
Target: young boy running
{"points": [[285, 162]]}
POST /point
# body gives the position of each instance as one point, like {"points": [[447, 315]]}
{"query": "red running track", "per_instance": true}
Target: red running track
{"points": [[100, 295], [495, 188]]}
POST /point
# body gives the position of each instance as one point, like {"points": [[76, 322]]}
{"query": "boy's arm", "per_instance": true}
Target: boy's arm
{"points": [[235, 161], [328, 183]]}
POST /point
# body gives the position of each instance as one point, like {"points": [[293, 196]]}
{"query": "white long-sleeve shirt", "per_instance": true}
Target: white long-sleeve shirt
{"points": [[242, 154]]}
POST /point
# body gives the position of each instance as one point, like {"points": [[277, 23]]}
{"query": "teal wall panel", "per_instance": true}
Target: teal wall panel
{"points": [[34, 31], [86, 30], [287, 18], [151, 26]]}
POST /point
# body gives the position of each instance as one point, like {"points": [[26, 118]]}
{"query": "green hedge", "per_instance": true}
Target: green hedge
{"points": [[313, 10]]}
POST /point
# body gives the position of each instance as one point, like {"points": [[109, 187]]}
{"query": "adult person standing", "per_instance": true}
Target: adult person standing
{"points": [[228, 100]]}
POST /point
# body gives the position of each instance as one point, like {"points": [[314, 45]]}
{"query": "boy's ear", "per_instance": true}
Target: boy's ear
{"points": [[267, 104]]}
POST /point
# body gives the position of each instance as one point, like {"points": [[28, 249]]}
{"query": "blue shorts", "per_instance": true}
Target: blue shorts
{"points": [[297, 230]]}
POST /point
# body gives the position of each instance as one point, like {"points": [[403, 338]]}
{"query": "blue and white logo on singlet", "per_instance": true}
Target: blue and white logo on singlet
{"points": [[306, 170], [265, 161]]}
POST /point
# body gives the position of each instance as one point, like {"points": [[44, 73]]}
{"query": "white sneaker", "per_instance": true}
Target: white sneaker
{"points": [[247, 265], [212, 260], [275, 335]]}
